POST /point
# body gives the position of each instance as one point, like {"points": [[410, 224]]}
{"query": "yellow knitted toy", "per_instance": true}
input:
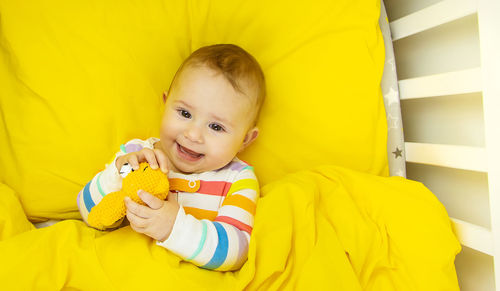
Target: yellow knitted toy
{"points": [[112, 206]]}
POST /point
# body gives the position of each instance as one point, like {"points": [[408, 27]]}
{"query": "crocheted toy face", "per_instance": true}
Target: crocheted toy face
{"points": [[112, 208]]}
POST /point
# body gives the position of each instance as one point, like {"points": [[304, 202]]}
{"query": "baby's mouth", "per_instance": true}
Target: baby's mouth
{"points": [[188, 154]]}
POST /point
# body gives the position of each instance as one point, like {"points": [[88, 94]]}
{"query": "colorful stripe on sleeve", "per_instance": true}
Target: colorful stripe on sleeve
{"points": [[221, 244]]}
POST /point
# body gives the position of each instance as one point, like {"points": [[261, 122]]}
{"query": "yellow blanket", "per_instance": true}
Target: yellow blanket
{"points": [[326, 229]]}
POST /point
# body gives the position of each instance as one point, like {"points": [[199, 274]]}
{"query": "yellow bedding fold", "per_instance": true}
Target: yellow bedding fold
{"points": [[327, 229]]}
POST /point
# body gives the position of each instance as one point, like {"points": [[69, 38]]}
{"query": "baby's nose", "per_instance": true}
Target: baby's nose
{"points": [[194, 134]]}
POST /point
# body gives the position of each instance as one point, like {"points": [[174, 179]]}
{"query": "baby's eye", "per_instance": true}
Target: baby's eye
{"points": [[216, 127], [184, 113]]}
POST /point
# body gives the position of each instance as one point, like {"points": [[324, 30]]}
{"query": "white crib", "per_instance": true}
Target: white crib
{"points": [[448, 66]]}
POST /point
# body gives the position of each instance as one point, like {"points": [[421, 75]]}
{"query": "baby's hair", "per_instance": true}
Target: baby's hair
{"points": [[238, 67]]}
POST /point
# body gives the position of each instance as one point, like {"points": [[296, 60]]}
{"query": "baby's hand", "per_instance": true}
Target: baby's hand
{"points": [[156, 219], [155, 158]]}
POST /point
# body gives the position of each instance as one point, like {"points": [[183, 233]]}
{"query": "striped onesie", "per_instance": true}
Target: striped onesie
{"points": [[213, 226]]}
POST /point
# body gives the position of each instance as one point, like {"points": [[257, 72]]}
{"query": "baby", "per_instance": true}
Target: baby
{"points": [[211, 110]]}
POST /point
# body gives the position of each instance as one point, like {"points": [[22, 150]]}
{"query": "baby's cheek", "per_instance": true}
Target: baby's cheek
{"points": [[226, 152], [168, 128]]}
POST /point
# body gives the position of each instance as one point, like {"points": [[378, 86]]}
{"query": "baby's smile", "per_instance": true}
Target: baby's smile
{"points": [[188, 154]]}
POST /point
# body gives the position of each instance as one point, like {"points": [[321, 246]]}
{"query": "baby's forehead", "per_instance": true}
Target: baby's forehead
{"points": [[244, 86]]}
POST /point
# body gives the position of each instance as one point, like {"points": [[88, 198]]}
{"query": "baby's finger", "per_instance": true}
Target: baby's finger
{"points": [[137, 209], [120, 162], [162, 159], [152, 201], [136, 228], [151, 158], [133, 162], [137, 223]]}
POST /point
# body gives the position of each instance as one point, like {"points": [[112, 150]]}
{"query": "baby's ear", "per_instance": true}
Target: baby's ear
{"points": [[165, 94], [251, 135]]}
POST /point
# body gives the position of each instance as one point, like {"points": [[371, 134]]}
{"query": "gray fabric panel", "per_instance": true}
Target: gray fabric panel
{"points": [[390, 91]]}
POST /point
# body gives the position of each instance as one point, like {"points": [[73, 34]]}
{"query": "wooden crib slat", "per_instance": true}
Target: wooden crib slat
{"points": [[432, 16], [473, 236], [452, 156], [451, 83]]}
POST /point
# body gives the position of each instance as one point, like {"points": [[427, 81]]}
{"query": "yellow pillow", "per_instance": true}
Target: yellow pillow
{"points": [[78, 78]]}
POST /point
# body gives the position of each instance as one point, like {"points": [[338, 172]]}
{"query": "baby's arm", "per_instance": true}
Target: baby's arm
{"points": [[108, 180], [221, 244]]}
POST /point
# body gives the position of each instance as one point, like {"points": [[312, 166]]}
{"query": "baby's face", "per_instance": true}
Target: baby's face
{"points": [[205, 121]]}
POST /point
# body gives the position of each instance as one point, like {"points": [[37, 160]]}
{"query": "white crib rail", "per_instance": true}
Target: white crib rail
{"points": [[474, 236], [452, 156], [489, 35], [475, 71], [450, 83], [432, 16]]}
